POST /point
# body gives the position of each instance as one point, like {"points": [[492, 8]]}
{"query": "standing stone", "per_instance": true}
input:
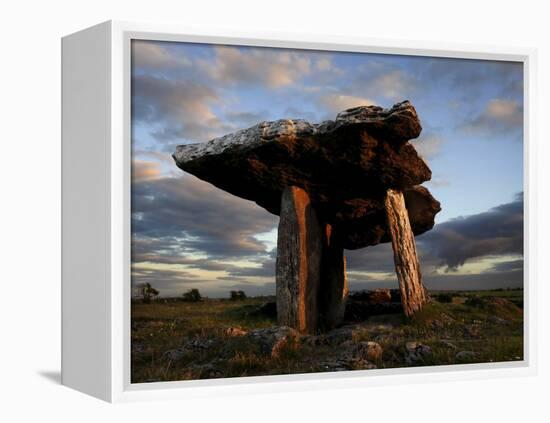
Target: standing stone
{"points": [[404, 253], [299, 250], [334, 288]]}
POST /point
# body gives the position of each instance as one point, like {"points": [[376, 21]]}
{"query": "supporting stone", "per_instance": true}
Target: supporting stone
{"points": [[299, 249], [413, 295], [334, 289]]}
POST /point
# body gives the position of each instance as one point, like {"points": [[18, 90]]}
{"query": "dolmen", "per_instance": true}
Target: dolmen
{"points": [[346, 183]]}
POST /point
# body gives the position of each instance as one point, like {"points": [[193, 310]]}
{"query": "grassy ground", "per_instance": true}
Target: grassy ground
{"points": [[474, 327]]}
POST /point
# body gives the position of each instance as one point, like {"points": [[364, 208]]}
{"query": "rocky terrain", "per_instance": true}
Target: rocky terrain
{"points": [[176, 340]]}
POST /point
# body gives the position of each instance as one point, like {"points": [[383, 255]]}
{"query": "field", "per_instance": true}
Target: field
{"points": [[177, 340]]}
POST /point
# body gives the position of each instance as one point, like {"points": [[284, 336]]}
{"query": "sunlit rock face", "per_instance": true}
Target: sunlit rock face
{"points": [[345, 165]]}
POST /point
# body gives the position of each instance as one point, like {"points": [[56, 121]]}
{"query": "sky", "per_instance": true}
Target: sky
{"points": [[186, 233]]}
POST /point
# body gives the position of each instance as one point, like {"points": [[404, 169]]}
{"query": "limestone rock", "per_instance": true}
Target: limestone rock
{"points": [[298, 266], [465, 355], [333, 289], [190, 346], [373, 296], [272, 341], [234, 331], [370, 350], [345, 166], [416, 352]]}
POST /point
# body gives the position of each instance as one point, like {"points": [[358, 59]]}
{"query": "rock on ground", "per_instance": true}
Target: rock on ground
{"points": [[272, 341], [416, 352], [465, 355], [370, 350], [234, 331]]}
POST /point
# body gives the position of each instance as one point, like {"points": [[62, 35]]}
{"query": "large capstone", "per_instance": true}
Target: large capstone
{"points": [[345, 166]]}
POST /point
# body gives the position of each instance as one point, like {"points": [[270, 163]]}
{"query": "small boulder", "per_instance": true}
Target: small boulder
{"points": [[465, 355], [175, 354], [273, 340], [370, 350], [189, 346], [206, 371], [416, 352], [449, 344], [234, 331], [380, 296]]}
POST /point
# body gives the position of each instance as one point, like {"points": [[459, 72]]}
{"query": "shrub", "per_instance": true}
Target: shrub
{"points": [[192, 296], [237, 295], [444, 298]]}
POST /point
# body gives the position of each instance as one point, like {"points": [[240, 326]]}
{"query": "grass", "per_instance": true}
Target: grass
{"points": [[486, 326]]}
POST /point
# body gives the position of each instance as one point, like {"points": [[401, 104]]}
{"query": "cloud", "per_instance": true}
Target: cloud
{"points": [[498, 231], [155, 56], [179, 109], [384, 81], [335, 103], [428, 145], [222, 247], [476, 251], [275, 68], [498, 117], [144, 170], [470, 78], [392, 84], [246, 119], [204, 218]]}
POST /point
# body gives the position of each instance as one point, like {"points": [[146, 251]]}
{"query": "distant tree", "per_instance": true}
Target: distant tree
{"points": [[237, 295], [147, 292], [193, 296]]}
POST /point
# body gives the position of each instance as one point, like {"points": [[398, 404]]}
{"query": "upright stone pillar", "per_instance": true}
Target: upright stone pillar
{"points": [[407, 267], [333, 292], [299, 249]]}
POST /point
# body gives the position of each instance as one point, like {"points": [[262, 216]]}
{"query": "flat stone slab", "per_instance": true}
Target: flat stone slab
{"points": [[345, 165]]}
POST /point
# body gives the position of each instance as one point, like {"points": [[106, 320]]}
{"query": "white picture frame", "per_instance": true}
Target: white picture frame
{"points": [[96, 214]]}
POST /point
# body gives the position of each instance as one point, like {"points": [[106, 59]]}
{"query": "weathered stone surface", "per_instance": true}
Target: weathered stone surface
{"points": [[373, 296], [298, 266], [333, 289], [465, 356], [190, 346], [363, 222], [415, 352], [369, 350], [404, 252], [234, 331], [362, 304], [272, 341], [344, 165]]}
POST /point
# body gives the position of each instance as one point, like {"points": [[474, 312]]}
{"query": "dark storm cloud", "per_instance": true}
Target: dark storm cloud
{"points": [[450, 281], [508, 266], [378, 258], [199, 216], [498, 231], [170, 250]]}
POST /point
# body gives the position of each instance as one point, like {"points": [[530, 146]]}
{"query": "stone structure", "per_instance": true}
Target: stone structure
{"points": [[343, 184]]}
